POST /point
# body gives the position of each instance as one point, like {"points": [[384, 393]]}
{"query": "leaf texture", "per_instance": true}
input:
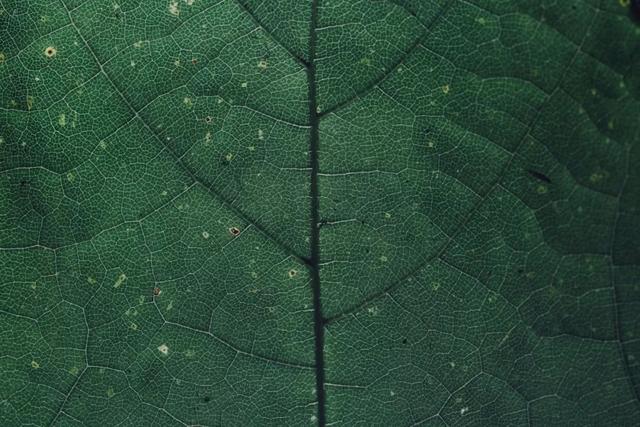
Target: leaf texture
{"points": [[331, 212]]}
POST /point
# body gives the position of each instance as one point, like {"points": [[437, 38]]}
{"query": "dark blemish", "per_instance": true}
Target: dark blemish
{"points": [[24, 182], [634, 10], [520, 271], [539, 175], [404, 341], [206, 399], [156, 291], [235, 231], [194, 61]]}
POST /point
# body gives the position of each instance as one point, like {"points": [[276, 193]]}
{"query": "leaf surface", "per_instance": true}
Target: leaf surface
{"points": [[283, 212]]}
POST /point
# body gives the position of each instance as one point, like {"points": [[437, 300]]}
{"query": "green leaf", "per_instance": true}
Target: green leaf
{"points": [[332, 212]]}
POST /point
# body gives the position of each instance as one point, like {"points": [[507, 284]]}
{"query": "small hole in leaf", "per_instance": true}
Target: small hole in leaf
{"points": [[50, 52], [156, 291], [194, 61], [292, 273], [235, 231], [208, 119]]}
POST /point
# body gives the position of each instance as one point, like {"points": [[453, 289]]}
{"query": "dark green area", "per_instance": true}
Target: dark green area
{"points": [[340, 212]]}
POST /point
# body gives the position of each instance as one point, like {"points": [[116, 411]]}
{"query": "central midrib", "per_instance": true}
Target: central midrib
{"points": [[314, 260]]}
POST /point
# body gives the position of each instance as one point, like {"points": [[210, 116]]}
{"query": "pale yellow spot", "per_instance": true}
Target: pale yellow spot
{"points": [[74, 371], [110, 392], [120, 280], [170, 306], [91, 280], [35, 365], [190, 353], [597, 177], [205, 235], [188, 101], [138, 44], [208, 138], [71, 177], [62, 119], [103, 145], [624, 3], [244, 84], [387, 215], [435, 286], [542, 189], [164, 349], [384, 258], [30, 102], [251, 148], [229, 157], [2, 57], [263, 64], [260, 134], [34, 285], [133, 326], [445, 89], [174, 9], [481, 20]]}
